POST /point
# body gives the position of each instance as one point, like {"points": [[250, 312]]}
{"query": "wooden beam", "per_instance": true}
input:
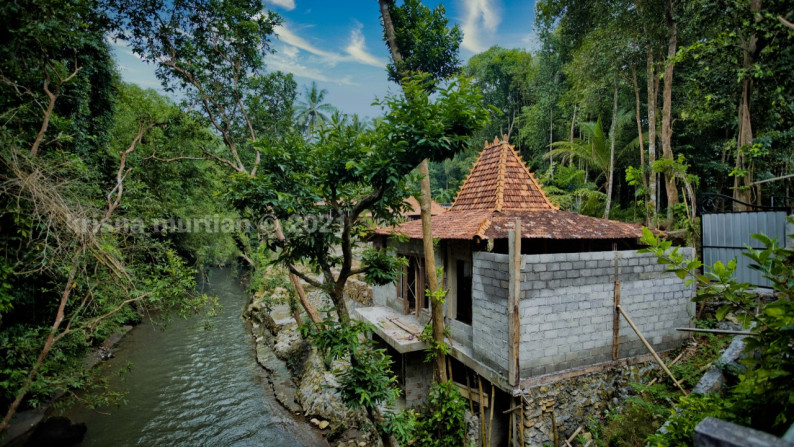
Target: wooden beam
{"points": [[472, 396], [513, 300], [650, 349], [616, 324]]}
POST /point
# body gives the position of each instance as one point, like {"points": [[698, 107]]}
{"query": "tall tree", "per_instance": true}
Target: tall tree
{"points": [[420, 41], [214, 52]]}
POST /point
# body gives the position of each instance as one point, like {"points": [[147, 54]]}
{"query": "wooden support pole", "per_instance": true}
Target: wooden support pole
{"points": [[513, 300], [714, 331], [650, 349], [490, 418], [521, 423], [573, 436], [554, 429], [616, 324], [468, 387], [675, 360], [482, 413]]}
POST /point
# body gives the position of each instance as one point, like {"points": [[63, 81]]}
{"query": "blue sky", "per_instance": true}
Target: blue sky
{"points": [[338, 44]]}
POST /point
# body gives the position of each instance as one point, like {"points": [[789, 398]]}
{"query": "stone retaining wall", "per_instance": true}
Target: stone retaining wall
{"points": [[574, 401]]}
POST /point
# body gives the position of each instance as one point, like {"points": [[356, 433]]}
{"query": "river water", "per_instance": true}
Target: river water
{"points": [[193, 387]]}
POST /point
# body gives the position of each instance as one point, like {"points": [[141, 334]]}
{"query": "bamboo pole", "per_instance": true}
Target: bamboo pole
{"points": [[554, 429], [482, 413], [616, 324], [490, 418], [573, 436], [714, 331], [468, 386], [651, 350], [521, 424], [675, 360]]}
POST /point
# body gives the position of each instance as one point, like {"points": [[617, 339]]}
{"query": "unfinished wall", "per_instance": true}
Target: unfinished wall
{"points": [[567, 303], [489, 309]]}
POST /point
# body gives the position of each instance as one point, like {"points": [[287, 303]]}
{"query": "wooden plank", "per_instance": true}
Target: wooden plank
{"points": [[650, 349], [513, 299], [616, 324], [472, 396]]}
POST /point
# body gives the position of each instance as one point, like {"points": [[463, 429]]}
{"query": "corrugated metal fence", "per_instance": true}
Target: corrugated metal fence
{"points": [[726, 236]]}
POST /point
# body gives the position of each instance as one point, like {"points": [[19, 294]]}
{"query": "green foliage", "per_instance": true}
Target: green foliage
{"points": [[368, 381], [763, 396], [434, 348], [382, 267], [439, 422], [426, 43]]}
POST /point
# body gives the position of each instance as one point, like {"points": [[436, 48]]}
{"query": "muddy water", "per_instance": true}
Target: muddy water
{"points": [[192, 387]]}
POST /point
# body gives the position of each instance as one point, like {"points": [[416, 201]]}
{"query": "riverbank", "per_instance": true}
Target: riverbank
{"points": [[300, 379], [191, 386]]}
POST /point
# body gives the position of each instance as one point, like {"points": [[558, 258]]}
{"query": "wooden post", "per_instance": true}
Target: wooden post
{"points": [[650, 349], [554, 429], [521, 423], [482, 413], [468, 386], [513, 300], [490, 418], [616, 324]]}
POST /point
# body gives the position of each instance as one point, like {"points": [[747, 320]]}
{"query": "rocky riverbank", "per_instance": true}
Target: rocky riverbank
{"points": [[301, 382]]}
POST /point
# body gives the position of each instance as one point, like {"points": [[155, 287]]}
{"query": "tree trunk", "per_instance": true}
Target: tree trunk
{"points": [[425, 199], [551, 140], [570, 136], [667, 107], [437, 304], [653, 91], [388, 27], [742, 183], [612, 132], [640, 137]]}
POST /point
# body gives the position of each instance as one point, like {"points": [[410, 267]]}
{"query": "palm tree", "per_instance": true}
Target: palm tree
{"points": [[594, 151], [312, 112]]}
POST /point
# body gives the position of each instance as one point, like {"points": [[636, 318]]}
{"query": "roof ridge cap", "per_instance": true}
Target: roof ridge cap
{"points": [[500, 177]]}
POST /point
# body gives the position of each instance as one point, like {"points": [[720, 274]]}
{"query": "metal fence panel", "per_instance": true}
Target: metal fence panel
{"points": [[727, 235]]}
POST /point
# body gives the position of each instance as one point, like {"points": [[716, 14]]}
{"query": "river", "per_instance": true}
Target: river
{"points": [[193, 387]]}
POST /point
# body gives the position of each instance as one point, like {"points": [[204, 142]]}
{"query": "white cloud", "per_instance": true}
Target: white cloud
{"points": [[357, 49], [482, 18], [287, 59], [289, 37], [289, 5]]}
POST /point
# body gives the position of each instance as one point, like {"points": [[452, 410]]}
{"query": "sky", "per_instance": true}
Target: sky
{"points": [[338, 44]]}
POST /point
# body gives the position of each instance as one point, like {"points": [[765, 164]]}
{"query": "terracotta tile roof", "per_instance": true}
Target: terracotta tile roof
{"points": [[416, 211], [498, 190], [499, 180]]}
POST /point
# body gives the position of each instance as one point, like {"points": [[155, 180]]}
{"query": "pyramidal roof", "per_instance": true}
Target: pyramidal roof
{"points": [[500, 181]]}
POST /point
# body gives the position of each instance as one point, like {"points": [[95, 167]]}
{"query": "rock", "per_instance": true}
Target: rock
{"points": [[323, 425], [319, 396], [57, 431], [315, 421]]}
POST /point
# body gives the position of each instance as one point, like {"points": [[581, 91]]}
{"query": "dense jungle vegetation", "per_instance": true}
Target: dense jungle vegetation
{"points": [[628, 109]]}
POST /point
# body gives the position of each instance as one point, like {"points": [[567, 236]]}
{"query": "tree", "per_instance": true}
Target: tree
{"points": [[312, 112], [215, 53], [504, 78], [420, 41]]}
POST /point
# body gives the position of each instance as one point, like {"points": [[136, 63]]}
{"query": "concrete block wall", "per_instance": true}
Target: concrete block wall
{"points": [[418, 377], [567, 301], [489, 308]]}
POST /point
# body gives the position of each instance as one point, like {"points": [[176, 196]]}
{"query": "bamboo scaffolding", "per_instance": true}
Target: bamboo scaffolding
{"points": [[651, 350]]}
